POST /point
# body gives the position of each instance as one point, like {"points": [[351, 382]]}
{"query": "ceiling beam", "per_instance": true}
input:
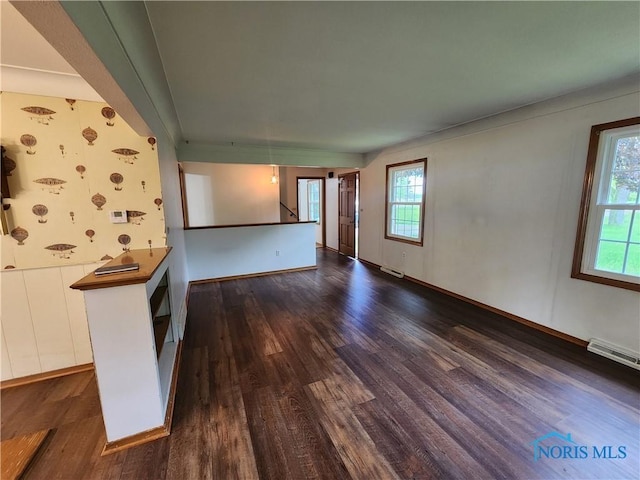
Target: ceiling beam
{"points": [[121, 35], [254, 154]]}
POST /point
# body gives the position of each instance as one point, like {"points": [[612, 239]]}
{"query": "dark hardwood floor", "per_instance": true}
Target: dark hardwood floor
{"points": [[347, 373]]}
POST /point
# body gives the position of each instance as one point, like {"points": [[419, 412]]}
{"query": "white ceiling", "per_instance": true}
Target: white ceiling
{"points": [[358, 76]]}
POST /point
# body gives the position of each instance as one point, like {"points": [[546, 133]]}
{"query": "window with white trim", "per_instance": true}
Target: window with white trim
{"points": [[405, 200], [608, 240]]}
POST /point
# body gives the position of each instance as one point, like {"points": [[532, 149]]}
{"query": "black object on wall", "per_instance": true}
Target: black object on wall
{"points": [[4, 173]]}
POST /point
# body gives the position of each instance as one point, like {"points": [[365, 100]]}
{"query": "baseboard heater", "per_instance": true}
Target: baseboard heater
{"points": [[390, 271], [614, 352]]}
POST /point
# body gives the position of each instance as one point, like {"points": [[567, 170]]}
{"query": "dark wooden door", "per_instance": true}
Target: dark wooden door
{"points": [[347, 215]]}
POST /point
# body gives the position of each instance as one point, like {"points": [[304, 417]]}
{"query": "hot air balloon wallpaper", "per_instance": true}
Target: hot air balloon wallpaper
{"points": [[40, 211], [29, 141], [19, 234], [136, 216], [108, 113], [53, 184], [90, 135], [116, 179], [40, 114], [98, 200], [61, 250], [124, 240], [126, 154], [9, 165], [67, 204]]}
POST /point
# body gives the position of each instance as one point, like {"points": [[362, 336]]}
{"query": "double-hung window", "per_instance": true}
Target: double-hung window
{"points": [[608, 240], [405, 200], [313, 200]]}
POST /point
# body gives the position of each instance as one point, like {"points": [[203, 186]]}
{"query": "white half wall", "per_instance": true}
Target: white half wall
{"points": [[226, 252], [502, 205]]}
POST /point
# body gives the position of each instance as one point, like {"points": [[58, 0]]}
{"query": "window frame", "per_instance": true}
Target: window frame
{"points": [[584, 258], [388, 205]]}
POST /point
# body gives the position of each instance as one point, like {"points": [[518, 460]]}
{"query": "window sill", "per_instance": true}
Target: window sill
{"points": [[419, 243], [606, 281]]}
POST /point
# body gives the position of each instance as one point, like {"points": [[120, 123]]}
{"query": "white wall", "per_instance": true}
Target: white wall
{"points": [[226, 252], [234, 194], [174, 223], [501, 215]]}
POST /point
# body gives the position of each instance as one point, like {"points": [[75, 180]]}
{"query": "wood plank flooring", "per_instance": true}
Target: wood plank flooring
{"points": [[19, 452], [347, 373]]}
